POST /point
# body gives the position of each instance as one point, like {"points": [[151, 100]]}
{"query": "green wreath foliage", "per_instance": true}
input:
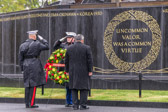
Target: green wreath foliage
{"points": [[59, 77]]}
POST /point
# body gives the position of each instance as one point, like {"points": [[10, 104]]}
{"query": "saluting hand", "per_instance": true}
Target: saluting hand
{"points": [[40, 37], [62, 39]]}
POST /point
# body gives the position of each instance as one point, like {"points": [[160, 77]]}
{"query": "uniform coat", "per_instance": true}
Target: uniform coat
{"points": [[78, 62], [30, 63], [57, 45]]}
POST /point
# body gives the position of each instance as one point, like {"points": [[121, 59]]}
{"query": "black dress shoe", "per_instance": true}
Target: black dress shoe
{"points": [[68, 105], [75, 107], [84, 107], [27, 106], [34, 106]]}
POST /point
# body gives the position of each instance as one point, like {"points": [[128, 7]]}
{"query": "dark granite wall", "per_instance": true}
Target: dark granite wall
{"points": [[92, 23], [8, 45]]}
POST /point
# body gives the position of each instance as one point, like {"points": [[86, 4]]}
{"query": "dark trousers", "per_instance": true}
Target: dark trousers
{"points": [[68, 96], [83, 97], [30, 93]]}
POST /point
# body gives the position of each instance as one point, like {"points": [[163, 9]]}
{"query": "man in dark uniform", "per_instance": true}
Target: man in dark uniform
{"points": [[61, 44], [31, 66], [78, 64]]}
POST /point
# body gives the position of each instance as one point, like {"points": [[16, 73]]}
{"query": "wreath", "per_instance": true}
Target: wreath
{"points": [[51, 67]]}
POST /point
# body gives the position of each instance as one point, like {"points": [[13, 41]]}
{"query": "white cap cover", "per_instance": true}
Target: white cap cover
{"points": [[71, 34], [32, 32]]}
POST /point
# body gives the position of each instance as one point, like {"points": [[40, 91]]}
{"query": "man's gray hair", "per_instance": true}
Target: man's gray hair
{"points": [[79, 37]]}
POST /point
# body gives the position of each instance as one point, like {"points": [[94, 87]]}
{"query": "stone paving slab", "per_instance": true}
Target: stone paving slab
{"points": [[20, 107], [91, 103]]}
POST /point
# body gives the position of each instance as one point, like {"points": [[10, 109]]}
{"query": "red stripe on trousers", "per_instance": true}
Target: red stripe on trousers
{"points": [[46, 75], [33, 97]]}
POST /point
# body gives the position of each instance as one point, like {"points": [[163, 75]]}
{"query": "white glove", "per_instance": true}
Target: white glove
{"points": [[40, 37], [62, 39], [22, 72]]}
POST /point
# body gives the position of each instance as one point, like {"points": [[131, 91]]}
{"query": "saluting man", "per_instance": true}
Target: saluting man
{"points": [[64, 43], [31, 66]]}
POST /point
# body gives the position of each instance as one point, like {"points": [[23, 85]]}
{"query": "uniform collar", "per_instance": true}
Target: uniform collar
{"points": [[78, 42], [30, 40]]}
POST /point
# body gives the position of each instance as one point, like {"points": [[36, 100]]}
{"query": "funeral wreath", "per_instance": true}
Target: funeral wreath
{"points": [[52, 65]]}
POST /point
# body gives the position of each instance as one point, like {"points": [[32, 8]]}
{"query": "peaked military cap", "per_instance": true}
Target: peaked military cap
{"points": [[32, 32], [70, 34]]}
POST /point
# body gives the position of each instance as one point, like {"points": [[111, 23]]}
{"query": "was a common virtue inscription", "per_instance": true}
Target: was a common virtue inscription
{"points": [[132, 48]]}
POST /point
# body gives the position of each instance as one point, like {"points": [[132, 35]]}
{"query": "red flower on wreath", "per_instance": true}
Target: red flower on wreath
{"points": [[51, 67], [47, 65]]}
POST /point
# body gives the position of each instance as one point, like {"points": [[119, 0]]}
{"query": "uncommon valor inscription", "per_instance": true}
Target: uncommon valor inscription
{"points": [[132, 41]]}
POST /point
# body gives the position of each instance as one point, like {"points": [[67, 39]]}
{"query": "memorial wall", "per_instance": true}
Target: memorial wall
{"points": [[124, 41]]}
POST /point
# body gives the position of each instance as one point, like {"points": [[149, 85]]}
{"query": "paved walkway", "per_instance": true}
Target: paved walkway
{"points": [[15, 107]]}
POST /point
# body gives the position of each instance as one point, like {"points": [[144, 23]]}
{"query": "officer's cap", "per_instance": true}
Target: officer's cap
{"points": [[70, 34], [32, 32]]}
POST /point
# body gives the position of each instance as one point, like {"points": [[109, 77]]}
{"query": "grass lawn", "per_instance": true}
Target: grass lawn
{"points": [[96, 94]]}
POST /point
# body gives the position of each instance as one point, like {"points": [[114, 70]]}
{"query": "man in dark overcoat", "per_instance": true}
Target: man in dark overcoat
{"points": [[78, 64], [64, 43], [31, 66]]}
